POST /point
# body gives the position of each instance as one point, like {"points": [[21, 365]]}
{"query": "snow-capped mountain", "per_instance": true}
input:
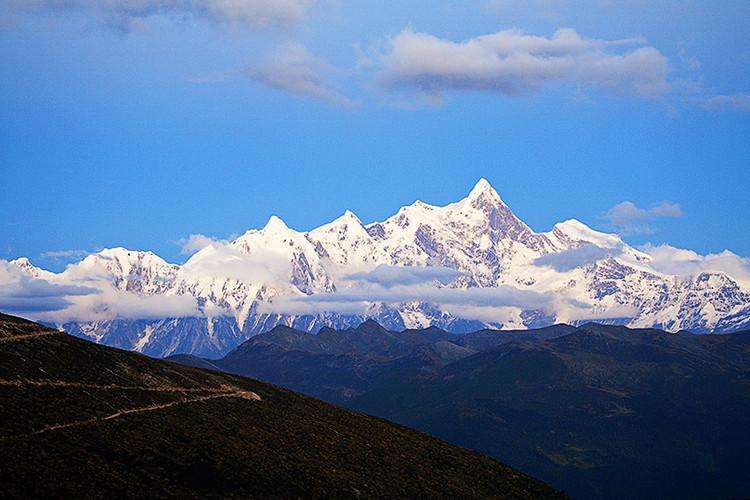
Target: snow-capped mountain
{"points": [[462, 266]]}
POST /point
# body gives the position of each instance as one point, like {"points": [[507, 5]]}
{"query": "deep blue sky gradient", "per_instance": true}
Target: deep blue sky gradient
{"points": [[106, 139]]}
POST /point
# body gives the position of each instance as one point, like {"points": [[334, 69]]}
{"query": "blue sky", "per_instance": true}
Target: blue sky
{"points": [[137, 128]]}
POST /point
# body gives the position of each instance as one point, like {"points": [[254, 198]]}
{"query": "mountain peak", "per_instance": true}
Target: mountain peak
{"points": [[370, 325], [275, 224], [483, 188], [423, 205], [349, 216], [25, 265], [119, 261], [347, 223]]}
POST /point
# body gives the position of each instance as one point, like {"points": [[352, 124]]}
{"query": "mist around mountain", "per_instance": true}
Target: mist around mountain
{"points": [[597, 411], [461, 267], [80, 420]]}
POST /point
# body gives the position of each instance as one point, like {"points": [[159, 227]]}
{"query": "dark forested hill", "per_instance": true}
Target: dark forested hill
{"points": [[340, 365], [84, 420], [596, 410]]}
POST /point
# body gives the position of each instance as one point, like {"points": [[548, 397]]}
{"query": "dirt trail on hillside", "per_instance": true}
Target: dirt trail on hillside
{"points": [[223, 392], [29, 336], [108, 387]]}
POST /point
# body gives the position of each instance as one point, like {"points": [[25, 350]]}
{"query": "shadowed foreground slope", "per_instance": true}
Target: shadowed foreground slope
{"points": [[79, 419]]}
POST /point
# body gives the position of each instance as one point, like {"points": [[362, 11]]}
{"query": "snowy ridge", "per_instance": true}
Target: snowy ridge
{"points": [[462, 266]]}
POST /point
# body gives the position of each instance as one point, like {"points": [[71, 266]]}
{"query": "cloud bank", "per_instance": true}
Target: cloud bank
{"points": [[733, 102], [69, 297], [22, 293], [389, 276], [129, 14], [65, 254], [681, 262], [110, 303], [196, 242], [220, 260], [293, 69], [570, 259], [511, 62], [628, 218], [358, 299]]}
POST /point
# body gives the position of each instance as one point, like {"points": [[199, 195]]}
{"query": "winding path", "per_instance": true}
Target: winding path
{"points": [[223, 392], [24, 336]]}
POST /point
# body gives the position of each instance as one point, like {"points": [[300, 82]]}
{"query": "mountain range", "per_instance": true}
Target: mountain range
{"points": [[80, 420], [461, 267], [598, 411]]}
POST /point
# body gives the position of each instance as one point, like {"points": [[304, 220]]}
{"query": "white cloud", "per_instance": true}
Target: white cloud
{"points": [[65, 254], [510, 62], [293, 69], [628, 218], [129, 14], [482, 302], [71, 297], [614, 312], [222, 261], [688, 61], [666, 209], [576, 257], [389, 276], [736, 102], [111, 303], [21, 293], [195, 242], [677, 261], [309, 305]]}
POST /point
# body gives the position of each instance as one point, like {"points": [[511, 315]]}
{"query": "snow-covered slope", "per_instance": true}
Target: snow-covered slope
{"points": [[462, 266]]}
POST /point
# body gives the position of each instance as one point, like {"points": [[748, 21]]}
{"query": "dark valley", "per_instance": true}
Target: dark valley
{"points": [[597, 411]]}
